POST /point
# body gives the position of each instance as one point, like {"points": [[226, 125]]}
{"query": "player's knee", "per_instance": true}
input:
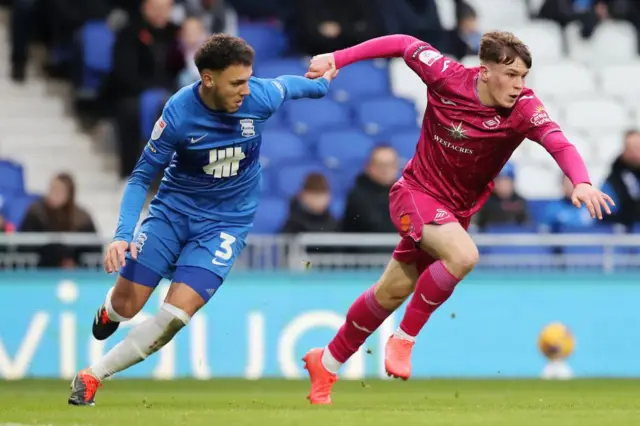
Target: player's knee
{"points": [[462, 260], [395, 285], [170, 321], [124, 306]]}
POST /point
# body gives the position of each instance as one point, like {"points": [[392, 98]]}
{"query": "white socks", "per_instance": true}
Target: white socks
{"points": [[113, 315], [329, 362], [400, 334], [143, 340]]}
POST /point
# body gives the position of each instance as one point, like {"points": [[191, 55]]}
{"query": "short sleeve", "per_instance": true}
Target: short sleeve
{"points": [[267, 96], [536, 123], [164, 138], [429, 63]]}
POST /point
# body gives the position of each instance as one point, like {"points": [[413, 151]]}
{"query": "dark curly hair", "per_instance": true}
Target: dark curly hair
{"points": [[223, 50]]}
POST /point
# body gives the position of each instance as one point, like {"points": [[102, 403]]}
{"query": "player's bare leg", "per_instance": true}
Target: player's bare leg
{"points": [[458, 255], [146, 338], [123, 302], [366, 314]]}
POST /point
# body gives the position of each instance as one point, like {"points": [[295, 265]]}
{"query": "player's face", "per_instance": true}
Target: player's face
{"points": [[506, 82], [231, 86]]}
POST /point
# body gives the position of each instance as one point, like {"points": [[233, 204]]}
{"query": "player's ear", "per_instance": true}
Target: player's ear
{"points": [[484, 73], [207, 79]]}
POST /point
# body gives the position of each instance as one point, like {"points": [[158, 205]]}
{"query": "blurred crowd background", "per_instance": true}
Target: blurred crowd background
{"points": [[84, 80]]}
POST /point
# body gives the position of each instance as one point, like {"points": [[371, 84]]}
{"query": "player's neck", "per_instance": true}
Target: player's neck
{"points": [[484, 96], [208, 100]]}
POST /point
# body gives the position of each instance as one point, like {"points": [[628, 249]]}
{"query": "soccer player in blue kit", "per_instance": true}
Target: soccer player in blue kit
{"points": [[209, 135]]}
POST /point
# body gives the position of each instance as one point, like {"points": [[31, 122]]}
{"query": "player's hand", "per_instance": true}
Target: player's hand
{"points": [[593, 198], [331, 73], [320, 65], [114, 257]]}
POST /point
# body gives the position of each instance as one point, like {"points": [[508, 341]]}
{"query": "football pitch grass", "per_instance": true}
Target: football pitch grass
{"points": [[283, 403]]}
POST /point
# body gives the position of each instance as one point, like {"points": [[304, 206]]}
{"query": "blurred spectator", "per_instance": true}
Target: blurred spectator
{"points": [[309, 210], [6, 227], [504, 206], [465, 39], [623, 183], [146, 58], [192, 36], [367, 208], [418, 18], [587, 12], [217, 16], [52, 22], [561, 213], [58, 212], [320, 26]]}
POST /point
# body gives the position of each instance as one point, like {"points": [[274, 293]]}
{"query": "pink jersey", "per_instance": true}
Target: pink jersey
{"points": [[464, 144]]}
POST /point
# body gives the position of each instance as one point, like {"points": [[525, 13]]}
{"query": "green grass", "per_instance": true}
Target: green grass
{"points": [[283, 403]]}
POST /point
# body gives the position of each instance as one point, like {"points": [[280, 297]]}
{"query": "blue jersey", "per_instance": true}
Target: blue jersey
{"points": [[213, 172]]}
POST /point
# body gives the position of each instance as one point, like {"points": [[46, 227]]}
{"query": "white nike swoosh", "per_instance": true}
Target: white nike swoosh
{"points": [[525, 97], [216, 262], [199, 139], [361, 328], [429, 302]]}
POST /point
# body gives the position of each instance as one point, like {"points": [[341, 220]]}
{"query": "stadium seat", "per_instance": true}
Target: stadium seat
{"points": [[361, 80], [405, 143], [18, 206], [279, 146], [97, 41], [622, 81], [267, 39], [604, 114], [613, 42], [536, 182], [151, 102], [562, 80], [312, 116], [337, 207], [406, 84], [11, 177], [278, 67], [288, 180], [271, 215], [343, 149], [497, 14], [378, 117], [470, 61], [544, 39]]}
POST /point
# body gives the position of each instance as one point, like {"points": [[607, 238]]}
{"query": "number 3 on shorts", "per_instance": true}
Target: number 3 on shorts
{"points": [[226, 248]]}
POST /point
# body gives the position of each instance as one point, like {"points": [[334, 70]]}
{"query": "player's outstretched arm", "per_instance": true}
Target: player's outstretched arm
{"points": [[296, 87], [392, 46], [133, 200], [573, 166]]}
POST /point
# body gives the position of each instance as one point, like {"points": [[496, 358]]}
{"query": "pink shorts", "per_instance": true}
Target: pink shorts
{"points": [[410, 210]]}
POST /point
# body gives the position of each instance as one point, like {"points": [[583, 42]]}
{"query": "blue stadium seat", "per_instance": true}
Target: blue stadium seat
{"points": [[277, 67], [18, 206], [380, 116], [344, 149], [337, 207], [281, 145], [312, 116], [405, 143], [11, 177], [537, 209], [151, 102], [97, 41], [361, 80], [289, 180], [271, 215], [267, 39], [515, 229]]}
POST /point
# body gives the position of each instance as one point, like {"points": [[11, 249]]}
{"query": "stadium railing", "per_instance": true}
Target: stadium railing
{"points": [[607, 252]]}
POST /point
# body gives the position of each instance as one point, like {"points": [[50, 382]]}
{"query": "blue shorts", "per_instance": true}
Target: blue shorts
{"points": [[198, 253]]}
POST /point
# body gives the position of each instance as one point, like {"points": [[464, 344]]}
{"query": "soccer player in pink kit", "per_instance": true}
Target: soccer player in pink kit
{"points": [[475, 119]]}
